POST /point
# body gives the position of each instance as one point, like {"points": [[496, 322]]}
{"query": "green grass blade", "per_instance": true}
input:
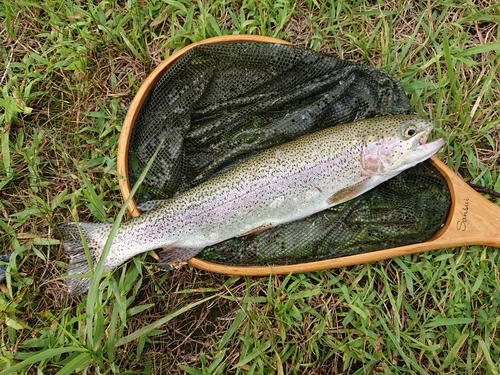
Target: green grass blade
{"points": [[79, 362], [448, 322], [5, 148], [493, 367], [234, 326], [399, 348], [93, 197], [452, 355], [150, 327], [483, 48], [40, 356]]}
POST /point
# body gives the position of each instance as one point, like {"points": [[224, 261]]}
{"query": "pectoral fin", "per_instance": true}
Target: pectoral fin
{"points": [[349, 193]]}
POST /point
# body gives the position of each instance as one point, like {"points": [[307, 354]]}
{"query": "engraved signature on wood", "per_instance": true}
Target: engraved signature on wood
{"points": [[462, 224]]}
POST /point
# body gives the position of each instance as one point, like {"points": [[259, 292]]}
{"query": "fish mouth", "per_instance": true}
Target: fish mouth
{"points": [[426, 133], [424, 149], [434, 145], [427, 149], [423, 138]]}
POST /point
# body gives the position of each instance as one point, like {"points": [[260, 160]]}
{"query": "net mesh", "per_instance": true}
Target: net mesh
{"points": [[217, 104]]}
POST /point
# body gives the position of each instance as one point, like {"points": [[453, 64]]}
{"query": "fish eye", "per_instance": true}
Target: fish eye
{"points": [[410, 131]]}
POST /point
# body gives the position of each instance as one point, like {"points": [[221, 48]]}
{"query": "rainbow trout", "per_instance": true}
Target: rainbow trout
{"points": [[281, 184]]}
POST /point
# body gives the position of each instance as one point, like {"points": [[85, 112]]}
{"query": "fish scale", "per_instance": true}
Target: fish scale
{"points": [[277, 185]]}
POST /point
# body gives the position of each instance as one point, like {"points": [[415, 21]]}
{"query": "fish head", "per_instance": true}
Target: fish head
{"points": [[398, 144]]}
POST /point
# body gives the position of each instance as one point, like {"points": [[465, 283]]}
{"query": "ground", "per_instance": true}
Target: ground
{"points": [[70, 68]]}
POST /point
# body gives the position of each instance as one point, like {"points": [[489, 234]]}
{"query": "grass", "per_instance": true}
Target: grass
{"points": [[69, 70]]}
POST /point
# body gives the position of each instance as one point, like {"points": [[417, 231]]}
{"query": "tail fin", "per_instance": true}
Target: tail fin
{"points": [[3, 269], [95, 236]]}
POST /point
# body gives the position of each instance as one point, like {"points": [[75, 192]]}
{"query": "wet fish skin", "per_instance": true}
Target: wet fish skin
{"points": [[278, 185]]}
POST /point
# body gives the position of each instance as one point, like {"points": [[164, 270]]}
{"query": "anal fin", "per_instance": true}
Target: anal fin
{"points": [[175, 257]]}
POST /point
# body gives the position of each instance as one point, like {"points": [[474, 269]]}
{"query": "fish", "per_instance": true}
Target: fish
{"points": [[278, 185]]}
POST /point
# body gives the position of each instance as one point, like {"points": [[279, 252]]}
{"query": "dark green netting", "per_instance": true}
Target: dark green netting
{"points": [[219, 103]]}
